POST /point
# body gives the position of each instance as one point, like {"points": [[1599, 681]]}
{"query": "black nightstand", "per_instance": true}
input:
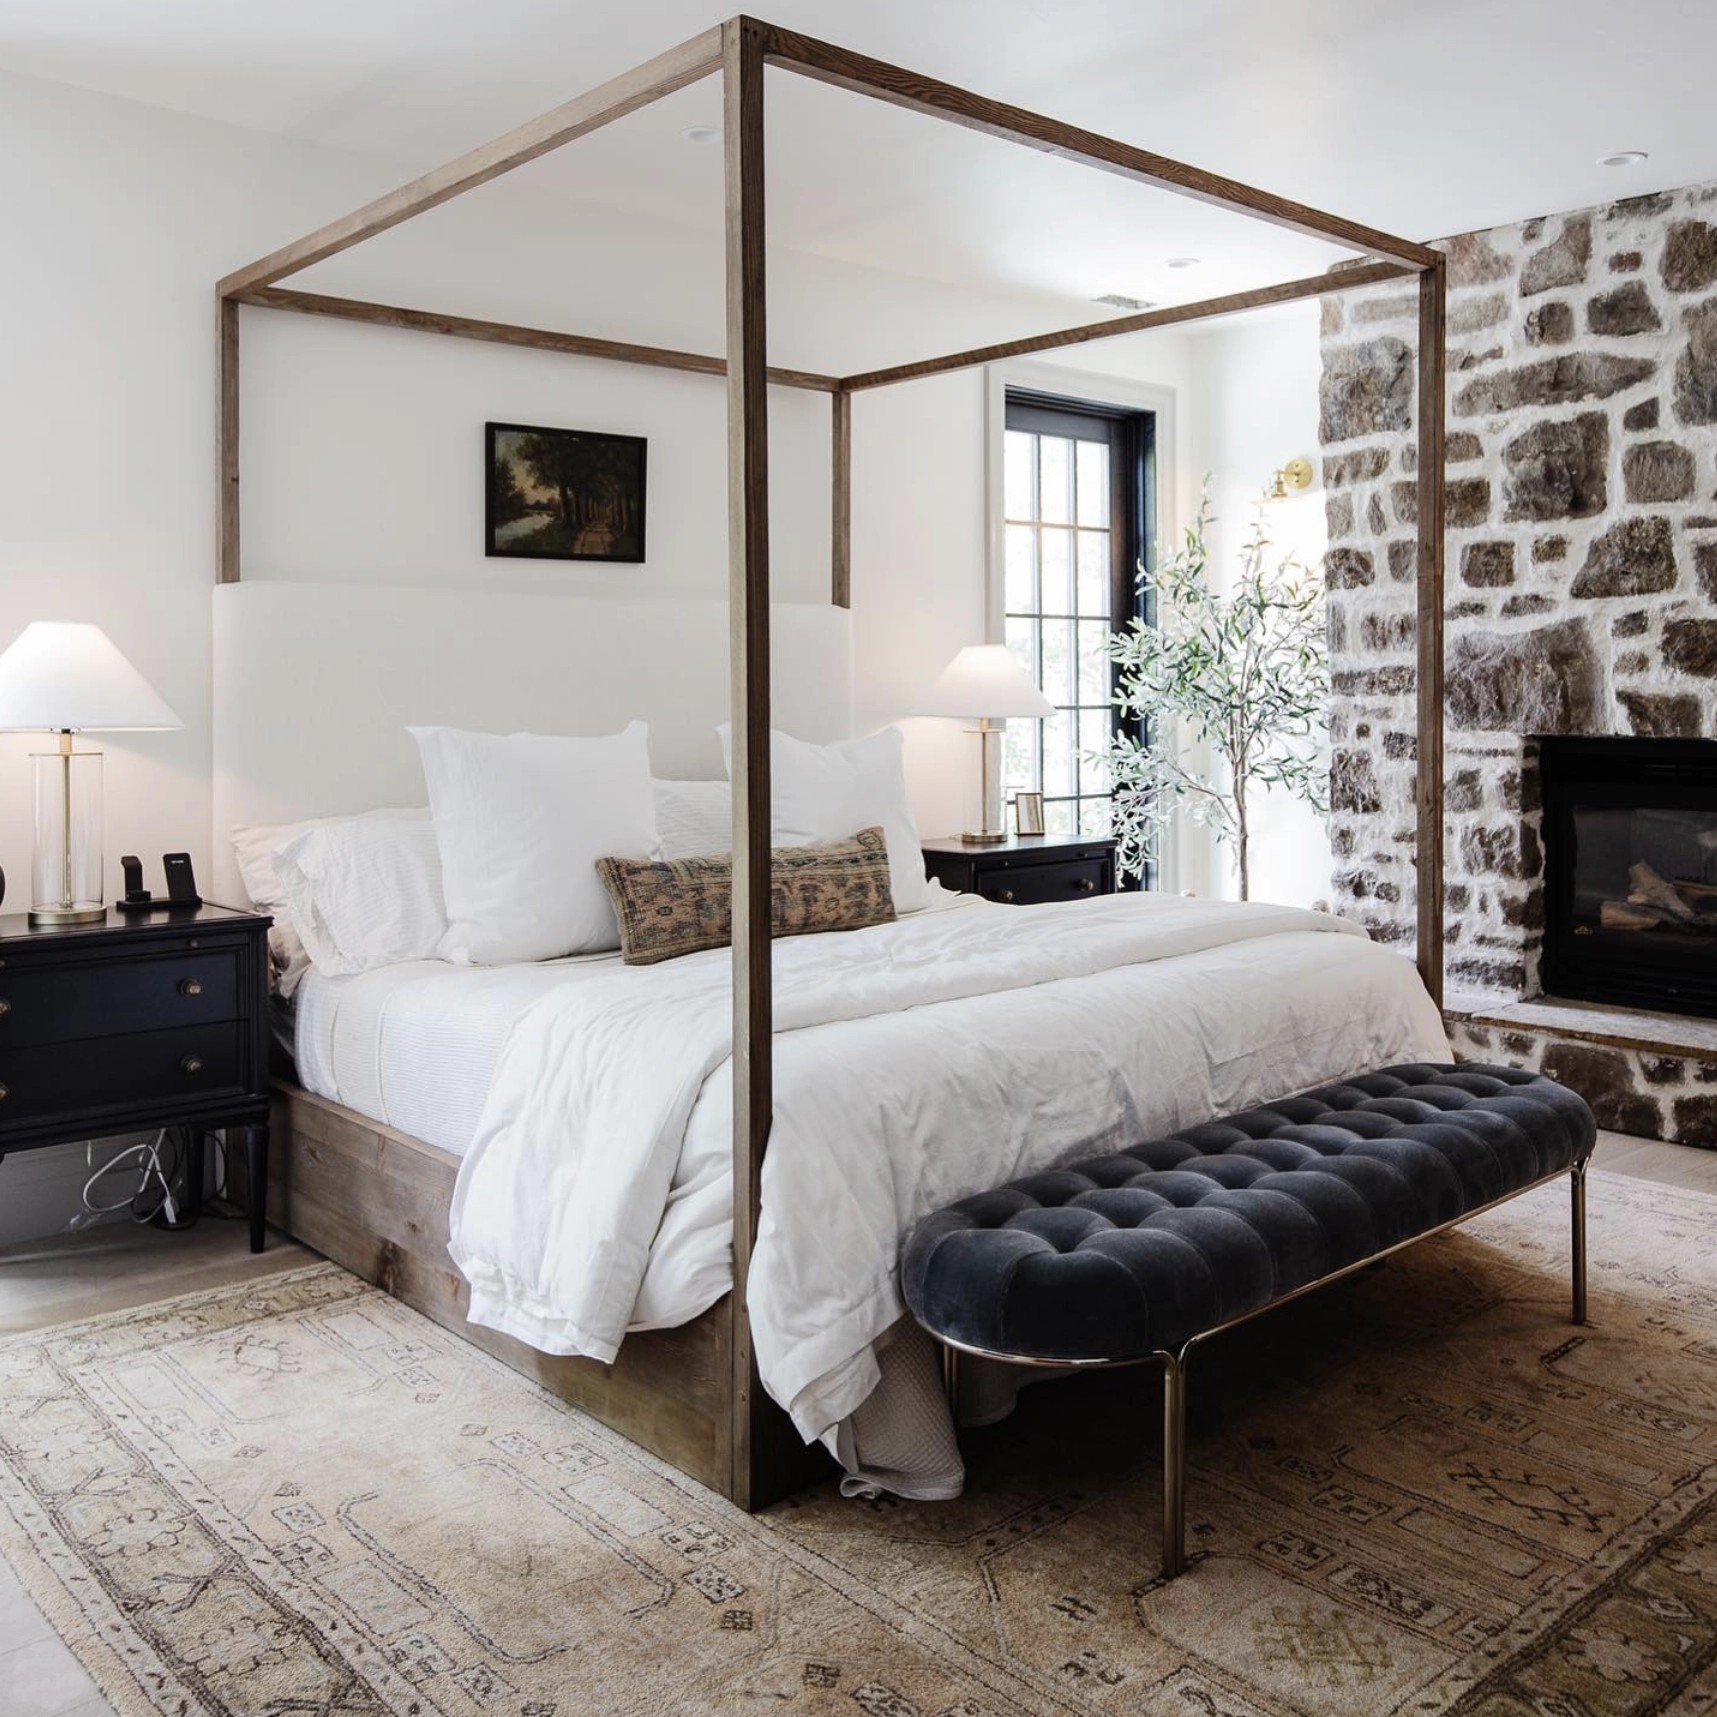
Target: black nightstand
{"points": [[1025, 870], [139, 1022]]}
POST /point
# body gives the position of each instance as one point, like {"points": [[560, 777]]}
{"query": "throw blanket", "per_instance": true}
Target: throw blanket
{"points": [[563, 1189]]}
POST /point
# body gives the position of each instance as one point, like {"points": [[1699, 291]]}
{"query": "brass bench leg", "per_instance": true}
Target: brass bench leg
{"points": [[1174, 1463], [1577, 1189]]}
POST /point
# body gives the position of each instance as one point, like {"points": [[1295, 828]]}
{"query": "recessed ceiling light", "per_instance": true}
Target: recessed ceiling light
{"points": [[1624, 158], [702, 134], [1183, 262]]}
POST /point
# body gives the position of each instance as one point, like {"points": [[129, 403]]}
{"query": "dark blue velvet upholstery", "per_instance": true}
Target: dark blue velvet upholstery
{"points": [[1137, 1252]]}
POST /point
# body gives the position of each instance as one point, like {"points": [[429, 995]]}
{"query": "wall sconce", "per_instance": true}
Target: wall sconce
{"points": [[1295, 475]]}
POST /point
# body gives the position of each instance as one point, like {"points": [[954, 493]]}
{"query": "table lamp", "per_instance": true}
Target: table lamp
{"points": [[62, 676], [985, 677]]}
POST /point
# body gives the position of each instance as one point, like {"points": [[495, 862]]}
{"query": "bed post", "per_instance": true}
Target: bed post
{"points": [[748, 596], [841, 492], [226, 442], [1429, 774]]}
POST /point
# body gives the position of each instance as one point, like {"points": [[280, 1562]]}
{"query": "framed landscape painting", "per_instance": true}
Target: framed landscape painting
{"points": [[563, 494]]}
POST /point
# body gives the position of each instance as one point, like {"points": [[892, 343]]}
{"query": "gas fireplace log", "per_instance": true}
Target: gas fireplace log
{"points": [[1649, 889], [1620, 915]]}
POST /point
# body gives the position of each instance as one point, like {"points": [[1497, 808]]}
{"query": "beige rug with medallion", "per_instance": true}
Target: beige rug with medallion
{"points": [[1420, 1492]]}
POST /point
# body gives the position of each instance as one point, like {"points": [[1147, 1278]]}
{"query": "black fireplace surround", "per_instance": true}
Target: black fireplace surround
{"points": [[1630, 855]]}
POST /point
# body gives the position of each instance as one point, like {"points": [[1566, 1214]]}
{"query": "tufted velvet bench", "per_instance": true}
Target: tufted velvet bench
{"points": [[1140, 1255]]}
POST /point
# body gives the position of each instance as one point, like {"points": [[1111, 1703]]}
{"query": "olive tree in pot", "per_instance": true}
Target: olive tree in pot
{"points": [[1243, 671]]}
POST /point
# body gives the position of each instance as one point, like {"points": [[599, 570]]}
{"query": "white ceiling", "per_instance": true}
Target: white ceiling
{"points": [[1424, 117]]}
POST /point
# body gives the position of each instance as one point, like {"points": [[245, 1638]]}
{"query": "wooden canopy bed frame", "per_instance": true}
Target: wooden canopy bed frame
{"points": [[376, 1200]]}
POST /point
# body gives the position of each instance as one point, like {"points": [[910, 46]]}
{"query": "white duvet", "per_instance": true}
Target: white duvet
{"points": [[914, 1063]]}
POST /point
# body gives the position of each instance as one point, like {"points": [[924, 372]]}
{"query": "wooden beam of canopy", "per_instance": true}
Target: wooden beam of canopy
{"points": [[1428, 766], [226, 442], [748, 762], [509, 334], [883, 82], [1313, 286], [841, 501], [625, 94]]}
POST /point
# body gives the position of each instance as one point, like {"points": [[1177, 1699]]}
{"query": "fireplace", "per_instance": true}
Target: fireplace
{"points": [[1630, 853]]}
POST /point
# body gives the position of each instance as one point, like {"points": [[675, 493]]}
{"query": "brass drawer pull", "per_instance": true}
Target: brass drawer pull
{"points": [[1085, 885], [190, 986], [1004, 894], [5, 1007], [191, 1064], [3, 1093]]}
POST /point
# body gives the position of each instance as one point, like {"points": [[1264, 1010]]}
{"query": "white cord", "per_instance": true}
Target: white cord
{"points": [[148, 1156]]}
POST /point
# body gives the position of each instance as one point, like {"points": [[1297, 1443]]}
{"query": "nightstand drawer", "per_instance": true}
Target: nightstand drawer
{"points": [[139, 1072], [1039, 884], [102, 998]]}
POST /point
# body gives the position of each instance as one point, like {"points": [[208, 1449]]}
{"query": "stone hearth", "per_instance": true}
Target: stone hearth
{"points": [[1582, 589]]}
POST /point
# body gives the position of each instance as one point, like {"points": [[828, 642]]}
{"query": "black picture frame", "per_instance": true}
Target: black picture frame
{"points": [[595, 511]]}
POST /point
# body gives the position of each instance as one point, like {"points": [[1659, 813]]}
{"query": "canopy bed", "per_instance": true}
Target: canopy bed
{"points": [[374, 1197]]}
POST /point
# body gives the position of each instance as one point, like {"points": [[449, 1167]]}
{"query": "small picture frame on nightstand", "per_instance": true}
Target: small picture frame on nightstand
{"points": [[1028, 813]]}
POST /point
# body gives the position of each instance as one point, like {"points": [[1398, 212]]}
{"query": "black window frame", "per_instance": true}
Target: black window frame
{"points": [[1130, 433]]}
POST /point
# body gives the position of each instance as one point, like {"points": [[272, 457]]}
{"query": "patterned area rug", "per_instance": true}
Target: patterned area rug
{"points": [[1419, 1492]]}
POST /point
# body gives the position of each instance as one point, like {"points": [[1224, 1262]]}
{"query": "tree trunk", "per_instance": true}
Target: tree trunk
{"points": [[1242, 839]]}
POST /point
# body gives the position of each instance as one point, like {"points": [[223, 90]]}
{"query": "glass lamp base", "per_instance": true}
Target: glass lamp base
{"points": [[65, 868], [983, 810]]}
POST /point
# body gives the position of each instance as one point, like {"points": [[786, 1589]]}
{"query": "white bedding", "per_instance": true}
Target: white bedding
{"points": [[914, 1063]]}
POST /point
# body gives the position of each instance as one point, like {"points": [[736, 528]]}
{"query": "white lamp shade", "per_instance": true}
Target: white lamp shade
{"points": [[983, 681], [61, 674]]}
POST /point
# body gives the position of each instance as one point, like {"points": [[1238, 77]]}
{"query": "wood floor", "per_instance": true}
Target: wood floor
{"points": [[111, 1268]]}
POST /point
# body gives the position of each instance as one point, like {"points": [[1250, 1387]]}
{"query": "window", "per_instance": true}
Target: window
{"points": [[1077, 519]]}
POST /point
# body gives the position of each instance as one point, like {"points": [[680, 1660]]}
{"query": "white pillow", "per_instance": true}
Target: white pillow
{"points": [[694, 818], [257, 849], [520, 822], [365, 893], [828, 792]]}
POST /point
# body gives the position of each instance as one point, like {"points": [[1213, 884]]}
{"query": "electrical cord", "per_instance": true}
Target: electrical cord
{"points": [[152, 1199]]}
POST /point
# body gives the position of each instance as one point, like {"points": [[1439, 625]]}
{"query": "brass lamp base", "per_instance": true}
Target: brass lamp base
{"points": [[984, 837], [45, 916]]}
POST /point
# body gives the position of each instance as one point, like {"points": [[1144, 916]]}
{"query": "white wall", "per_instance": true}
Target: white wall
{"points": [[1255, 382]]}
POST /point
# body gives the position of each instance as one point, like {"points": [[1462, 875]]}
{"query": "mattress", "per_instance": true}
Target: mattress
{"points": [[415, 1045]]}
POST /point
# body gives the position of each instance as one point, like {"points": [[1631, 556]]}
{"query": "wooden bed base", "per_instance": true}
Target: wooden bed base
{"points": [[375, 1201]]}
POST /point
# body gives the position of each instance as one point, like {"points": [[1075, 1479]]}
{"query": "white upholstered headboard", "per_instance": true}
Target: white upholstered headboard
{"points": [[314, 685]]}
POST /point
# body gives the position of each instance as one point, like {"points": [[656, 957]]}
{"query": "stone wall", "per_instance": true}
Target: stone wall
{"points": [[1582, 547], [1632, 1088]]}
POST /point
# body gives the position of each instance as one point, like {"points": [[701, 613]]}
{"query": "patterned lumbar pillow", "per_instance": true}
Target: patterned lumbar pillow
{"points": [[678, 906]]}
